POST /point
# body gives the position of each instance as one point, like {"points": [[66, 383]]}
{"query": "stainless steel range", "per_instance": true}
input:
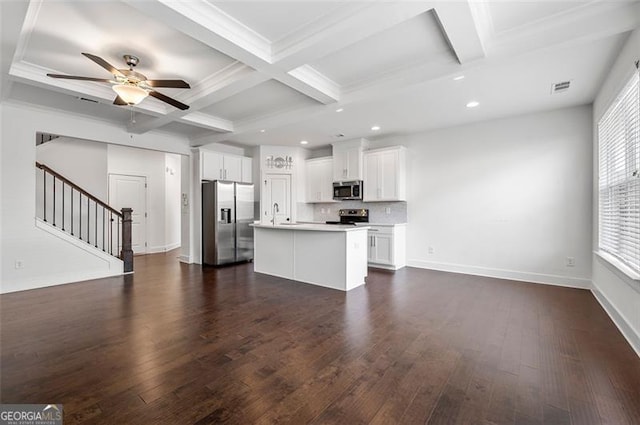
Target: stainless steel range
{"points": [[352, 216]]}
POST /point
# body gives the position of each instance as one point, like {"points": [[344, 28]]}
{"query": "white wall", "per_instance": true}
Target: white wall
{"points": [[507, 198], [162, 211], [172, 207], [46, 259], [619, 295], [81, 161]]}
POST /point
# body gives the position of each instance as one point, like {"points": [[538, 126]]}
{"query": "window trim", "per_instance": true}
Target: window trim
{"points": [[609, 257]]}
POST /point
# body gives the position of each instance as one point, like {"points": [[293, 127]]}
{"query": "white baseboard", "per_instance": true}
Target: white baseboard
{"points": [[185, 259], [162, 248], [618, 319], [546, 279]]}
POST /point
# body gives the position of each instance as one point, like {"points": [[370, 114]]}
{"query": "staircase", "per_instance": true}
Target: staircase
{"points": [[66, 206]]}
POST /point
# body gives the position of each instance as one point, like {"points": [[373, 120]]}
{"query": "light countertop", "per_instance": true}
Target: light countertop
{"points": [[316, 227]]}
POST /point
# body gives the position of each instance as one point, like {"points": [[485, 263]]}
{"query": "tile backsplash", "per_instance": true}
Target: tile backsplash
{"points": [[379, 212]]}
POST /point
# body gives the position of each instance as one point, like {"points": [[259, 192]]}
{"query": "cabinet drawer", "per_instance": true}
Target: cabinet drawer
{"points": [[380, 230]]}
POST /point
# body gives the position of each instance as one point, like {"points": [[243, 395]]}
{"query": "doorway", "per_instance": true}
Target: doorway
{"points": [[131, 191], [277, 190]]}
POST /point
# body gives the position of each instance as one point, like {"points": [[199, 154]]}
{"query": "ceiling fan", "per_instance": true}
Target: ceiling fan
{"points": [[131, 86]]}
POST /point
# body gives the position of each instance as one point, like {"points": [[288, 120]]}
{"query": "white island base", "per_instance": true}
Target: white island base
{"points": [[332, 256]]}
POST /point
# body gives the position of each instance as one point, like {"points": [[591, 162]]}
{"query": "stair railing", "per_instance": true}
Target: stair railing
{"points": [[67, 206]]}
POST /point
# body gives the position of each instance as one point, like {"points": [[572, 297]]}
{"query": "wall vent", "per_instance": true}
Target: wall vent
{"points": [[560, 87]]}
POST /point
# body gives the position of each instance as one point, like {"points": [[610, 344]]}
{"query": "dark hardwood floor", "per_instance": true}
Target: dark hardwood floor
{"points": [[178, 344]]}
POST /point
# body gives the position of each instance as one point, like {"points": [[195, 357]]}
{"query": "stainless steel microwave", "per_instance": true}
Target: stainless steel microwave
{"points": [[347, 190]]}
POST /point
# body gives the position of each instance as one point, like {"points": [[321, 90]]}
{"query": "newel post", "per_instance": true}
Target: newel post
{"points": [[126, 254]]}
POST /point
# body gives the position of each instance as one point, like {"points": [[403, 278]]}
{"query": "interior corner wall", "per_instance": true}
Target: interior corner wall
{"points": [[47, 260], [618, 294], [507, 198]]}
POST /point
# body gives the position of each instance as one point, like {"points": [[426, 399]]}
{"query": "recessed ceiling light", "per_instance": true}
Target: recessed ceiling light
{"points": [[458, 78], [473, 104], [375, 128], [339, 109], [303, 142], [262, 131]]}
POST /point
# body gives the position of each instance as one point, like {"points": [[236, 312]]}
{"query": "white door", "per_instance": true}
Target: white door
{"points": [[276, 190], [131, 192]]}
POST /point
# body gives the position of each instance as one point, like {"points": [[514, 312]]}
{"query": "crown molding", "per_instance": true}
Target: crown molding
{"points": [[313, 78], [216, 21]]}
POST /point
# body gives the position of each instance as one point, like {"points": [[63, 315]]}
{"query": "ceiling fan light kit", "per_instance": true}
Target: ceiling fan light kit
{"points": [[130, 93], [131, 86]]}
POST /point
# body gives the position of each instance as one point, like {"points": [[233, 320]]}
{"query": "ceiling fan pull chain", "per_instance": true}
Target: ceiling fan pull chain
{"points": [[133, 119]]}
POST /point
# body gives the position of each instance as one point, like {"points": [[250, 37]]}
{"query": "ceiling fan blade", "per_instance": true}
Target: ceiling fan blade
{"points": [[103, 63], [118, 101], [75, 77], [177, 84], [168, 100]]}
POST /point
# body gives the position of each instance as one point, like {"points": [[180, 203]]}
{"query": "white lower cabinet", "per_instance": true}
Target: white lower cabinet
{"points": [[387, 246]]}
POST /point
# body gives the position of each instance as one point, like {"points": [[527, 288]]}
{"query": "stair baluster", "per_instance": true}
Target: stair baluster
{"points": [[124, 251]]}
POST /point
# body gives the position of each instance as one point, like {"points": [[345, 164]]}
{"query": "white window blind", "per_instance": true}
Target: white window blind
{"points": [[619, 177]]}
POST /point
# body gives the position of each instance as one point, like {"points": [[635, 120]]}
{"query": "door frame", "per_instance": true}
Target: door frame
{"points": [[146, 202]]}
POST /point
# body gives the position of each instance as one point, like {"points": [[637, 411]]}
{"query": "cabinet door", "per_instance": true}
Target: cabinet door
{"points": [[371, 252], [211, 166], [339, 165], [353, 163], [383, 248], [312, 189], [325, 180], [370, 181], [388, 175], [232, 168], [247, 170]]}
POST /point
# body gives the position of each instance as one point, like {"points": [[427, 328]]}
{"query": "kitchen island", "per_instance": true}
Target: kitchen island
{"points": [[333, 256]]}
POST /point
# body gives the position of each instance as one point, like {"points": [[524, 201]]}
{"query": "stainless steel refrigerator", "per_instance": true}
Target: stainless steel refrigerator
{"points": [[227, 212]]}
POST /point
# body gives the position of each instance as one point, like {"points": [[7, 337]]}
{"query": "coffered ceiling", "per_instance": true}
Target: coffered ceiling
{"points": [[277, 72]]}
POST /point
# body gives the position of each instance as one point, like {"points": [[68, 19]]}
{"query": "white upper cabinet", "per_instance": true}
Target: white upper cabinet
{"points": [[232, 168], [347, 160], [247, 170], [385, 175], [319, 182], [211, 165], [219, 166]]}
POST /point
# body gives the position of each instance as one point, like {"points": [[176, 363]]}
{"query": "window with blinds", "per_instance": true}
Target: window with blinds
{"points": [[619, 172]]}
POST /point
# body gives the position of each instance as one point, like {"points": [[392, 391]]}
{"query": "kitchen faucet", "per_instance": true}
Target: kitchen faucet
{"points": [[274, 210]]}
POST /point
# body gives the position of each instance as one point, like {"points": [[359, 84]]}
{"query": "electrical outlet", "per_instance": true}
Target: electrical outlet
{"points": [[571, 262], [387, 210], [321, 210], [19, 264], [431, 250]]}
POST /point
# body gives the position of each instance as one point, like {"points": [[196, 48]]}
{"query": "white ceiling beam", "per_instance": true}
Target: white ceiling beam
{"points": [[208, 121], [460, 29], [211, 26], [233, 79]]}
